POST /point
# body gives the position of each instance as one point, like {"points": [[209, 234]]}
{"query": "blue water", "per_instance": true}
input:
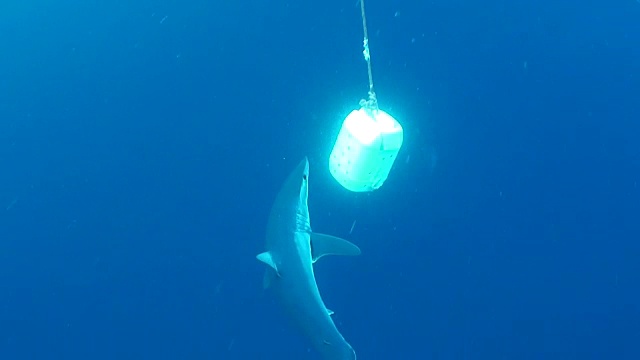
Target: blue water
{"points": [[142, 143]]}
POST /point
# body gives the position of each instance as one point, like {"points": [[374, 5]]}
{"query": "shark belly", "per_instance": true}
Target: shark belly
{"points": [[299, 294]]}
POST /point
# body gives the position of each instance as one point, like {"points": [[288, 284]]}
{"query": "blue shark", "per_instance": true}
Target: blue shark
{"points": [[291, 250]]}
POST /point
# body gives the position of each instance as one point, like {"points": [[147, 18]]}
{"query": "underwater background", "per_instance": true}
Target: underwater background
{"points": [[143, 142]]}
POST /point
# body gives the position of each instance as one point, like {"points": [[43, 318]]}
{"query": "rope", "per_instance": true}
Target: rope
{"points": [[372, 103]]}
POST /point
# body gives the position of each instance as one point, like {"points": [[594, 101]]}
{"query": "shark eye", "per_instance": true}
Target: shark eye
{"points": [[304, 177]]}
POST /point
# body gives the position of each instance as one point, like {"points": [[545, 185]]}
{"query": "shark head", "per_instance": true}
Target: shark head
{"points": [[294, 195], [290, 210]]}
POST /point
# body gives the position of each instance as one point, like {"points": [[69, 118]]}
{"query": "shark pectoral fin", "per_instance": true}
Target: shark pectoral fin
{"points": [[322, 245], [266, 258], [330, 312]]}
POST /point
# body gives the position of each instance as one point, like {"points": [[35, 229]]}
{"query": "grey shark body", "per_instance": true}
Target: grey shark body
{"points": [[291, 250]]}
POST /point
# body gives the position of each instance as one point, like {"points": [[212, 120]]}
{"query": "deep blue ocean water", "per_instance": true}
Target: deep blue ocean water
{"points": [[143, 142]]}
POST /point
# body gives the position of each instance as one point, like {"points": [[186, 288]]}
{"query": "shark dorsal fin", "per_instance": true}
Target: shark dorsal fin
{"points": [[322, 245], [266, 258]]}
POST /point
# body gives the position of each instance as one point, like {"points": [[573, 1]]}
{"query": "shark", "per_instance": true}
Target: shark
{"points": [[291, 250]]}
